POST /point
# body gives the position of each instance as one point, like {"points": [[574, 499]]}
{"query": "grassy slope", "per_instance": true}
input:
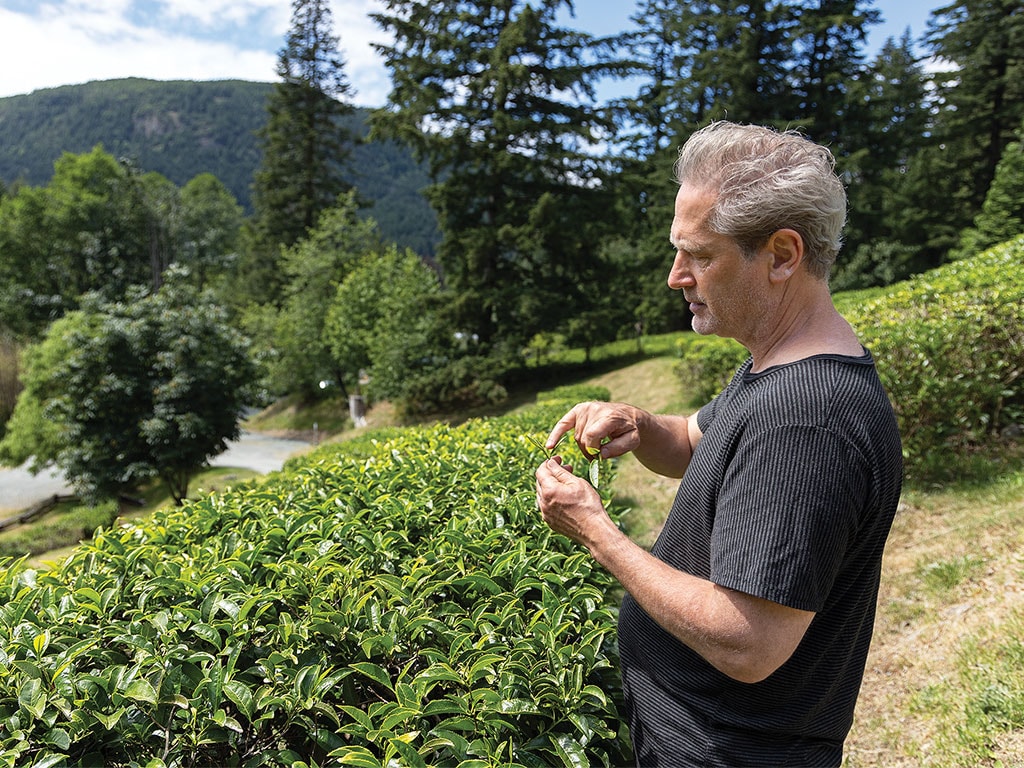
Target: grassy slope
{"points": [[945, 679]]}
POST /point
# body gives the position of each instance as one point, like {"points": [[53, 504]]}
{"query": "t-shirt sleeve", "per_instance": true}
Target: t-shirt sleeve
{"points": [[788, 511]]}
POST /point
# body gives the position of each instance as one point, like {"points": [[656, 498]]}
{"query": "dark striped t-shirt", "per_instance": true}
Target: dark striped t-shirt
{"points": [[789, 496]]}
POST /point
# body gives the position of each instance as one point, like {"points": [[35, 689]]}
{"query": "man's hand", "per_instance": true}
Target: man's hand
{"points": [[568, 504], [662, 443], [604, 430]]}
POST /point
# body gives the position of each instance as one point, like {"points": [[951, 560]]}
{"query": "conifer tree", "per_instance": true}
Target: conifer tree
{"points": [[894, 121], [981, 44], [828, 56], [305, 144], [499, 98], [1002, 215]]}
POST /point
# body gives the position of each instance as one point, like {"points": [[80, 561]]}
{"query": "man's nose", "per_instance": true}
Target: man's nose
{"points": [[681, 275]]}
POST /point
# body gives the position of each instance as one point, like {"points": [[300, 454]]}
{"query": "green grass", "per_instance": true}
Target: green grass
{"points": [[982, 701], [944, 575], [291, 416], [66, 525]]}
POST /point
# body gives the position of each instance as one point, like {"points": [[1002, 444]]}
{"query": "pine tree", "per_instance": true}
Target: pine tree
{"points": [[828, 57], [499, 98], [892, 101], [305, 145], [1002, 215], [982, 89]]}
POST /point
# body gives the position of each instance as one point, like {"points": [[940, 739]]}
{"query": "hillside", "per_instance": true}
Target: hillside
{"points": [[184, 128]]}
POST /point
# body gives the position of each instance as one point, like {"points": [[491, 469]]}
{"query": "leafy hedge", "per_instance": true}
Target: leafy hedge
{"points": [[394, 601], [707, 364], [949, 346], [950, 349]]}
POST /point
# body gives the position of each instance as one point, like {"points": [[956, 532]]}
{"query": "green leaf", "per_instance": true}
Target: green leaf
{"points": [[40, 642], [398, 716], [207, 633], [357, 756], [58, 737], [571, 751], [374, 672], [358, 715], [239, 693], [480, 581], [519, 707], [141, 690], [108, 721], [32, 698], [410, 756], [48, 761]]}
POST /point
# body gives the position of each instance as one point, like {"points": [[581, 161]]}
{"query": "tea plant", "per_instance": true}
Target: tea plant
{"points": [[396, 601], [950, 350], [949, 347]]}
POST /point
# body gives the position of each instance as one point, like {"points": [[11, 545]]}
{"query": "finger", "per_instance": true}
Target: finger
{"points": [[554, 469], [564, 424]]}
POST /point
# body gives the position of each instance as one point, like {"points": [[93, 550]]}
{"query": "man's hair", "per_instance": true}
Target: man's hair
{"points": [[766, 180]]}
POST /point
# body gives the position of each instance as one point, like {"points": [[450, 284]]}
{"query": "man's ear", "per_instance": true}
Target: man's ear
{"points": [[786, 248]]}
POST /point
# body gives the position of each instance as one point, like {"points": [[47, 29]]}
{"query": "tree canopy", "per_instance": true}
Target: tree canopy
{"points": [[552, 204], [118, 393], [305, 141]]}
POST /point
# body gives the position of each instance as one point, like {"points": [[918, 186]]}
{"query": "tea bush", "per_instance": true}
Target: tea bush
{"points": [[395, 601], [707, 364], [949, 346]]}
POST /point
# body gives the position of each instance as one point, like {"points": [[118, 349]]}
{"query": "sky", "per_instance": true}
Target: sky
{"points": [[48, 43]]}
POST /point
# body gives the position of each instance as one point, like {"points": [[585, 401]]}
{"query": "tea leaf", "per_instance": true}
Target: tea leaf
{"points": [[141, 690]]}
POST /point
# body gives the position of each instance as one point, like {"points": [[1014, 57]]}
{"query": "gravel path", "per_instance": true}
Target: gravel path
{"points": [[20, 489]]}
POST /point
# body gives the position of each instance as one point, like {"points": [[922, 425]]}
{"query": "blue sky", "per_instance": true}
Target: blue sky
{"points": [[47, 43]]}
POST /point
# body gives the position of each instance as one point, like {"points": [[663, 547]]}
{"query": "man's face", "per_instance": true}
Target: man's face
{"points": [[725, 290]]}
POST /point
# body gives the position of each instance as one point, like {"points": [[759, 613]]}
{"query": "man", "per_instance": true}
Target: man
{"points": [[743, 633]]}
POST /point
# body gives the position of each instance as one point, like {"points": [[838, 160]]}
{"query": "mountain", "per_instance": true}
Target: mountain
{"points": [[183, 128]]}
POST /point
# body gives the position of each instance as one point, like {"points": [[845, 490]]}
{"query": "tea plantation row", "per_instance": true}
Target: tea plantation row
{"points": [[391, 601], [948, 344]]}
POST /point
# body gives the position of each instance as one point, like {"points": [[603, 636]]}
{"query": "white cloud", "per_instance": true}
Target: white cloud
{"points": [[356, 30], [212, 13], [76, 41]]}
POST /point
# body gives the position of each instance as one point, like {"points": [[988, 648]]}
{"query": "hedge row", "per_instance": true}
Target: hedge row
{"points": [[950, 349], [395, 601], [949, 346]]}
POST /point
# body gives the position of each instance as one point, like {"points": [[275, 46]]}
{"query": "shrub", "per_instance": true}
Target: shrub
{"points": [[949, 346], [707, 364], [401, 603]]}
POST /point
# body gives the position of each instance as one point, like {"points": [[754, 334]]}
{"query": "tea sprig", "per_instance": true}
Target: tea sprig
{"points": [[594, 472]]}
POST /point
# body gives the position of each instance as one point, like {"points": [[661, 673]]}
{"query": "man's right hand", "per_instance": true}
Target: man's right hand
{"points": [[662, 443], [604, 430]]}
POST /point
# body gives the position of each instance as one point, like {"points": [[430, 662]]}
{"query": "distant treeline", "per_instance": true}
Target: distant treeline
{"points": [[181, 129]]}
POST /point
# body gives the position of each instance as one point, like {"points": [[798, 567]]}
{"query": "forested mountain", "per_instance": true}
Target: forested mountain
{"points": [[183, 128]]}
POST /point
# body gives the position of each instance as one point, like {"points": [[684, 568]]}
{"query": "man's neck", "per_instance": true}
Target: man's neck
{"points": [[802, 330]]}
